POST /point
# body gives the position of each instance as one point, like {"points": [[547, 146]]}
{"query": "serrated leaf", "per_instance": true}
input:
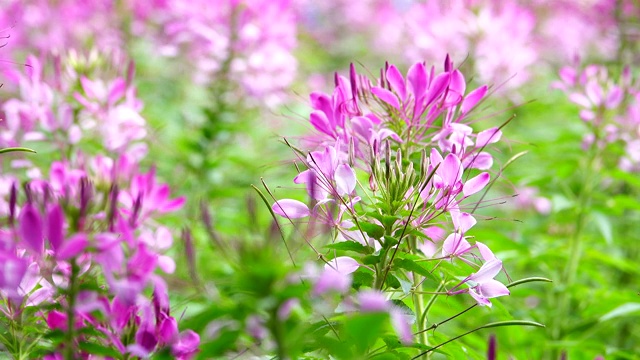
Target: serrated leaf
{"points": [[373, 230], [362, 277], [393, 281]]}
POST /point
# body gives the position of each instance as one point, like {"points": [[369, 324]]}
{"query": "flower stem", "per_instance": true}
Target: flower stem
{"points": [[69, 345], [575, 245]]}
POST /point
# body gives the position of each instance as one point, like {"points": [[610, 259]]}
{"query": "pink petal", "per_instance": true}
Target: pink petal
{"points": [[167, 330], [457, 85], [12, 271], [472, 99], [438, 87], [434, 233], [173, 205], [57, 320], [331, 279], [117, 90], [493, 288], [568, 75], [314, 189], [614, 98], [345, 179], [455, 244], [481, 300], [372, 301], [401, 325], [488, 271], [396, 81], [485, 252], [30, 230], [580, 100], [166, 264], [480, 161], [290, 208], [55, 226], [319, 120], [386, 96], [475, 184], [488, 136], [417, 78], [187, 343], [594, 92], [462, 221], [343, 264], [428, 248], [450, 170], [72, 247]]}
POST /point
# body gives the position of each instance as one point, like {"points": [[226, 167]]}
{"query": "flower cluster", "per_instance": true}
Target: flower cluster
{"points": [[81, 243], [249, 43], [410, 138], [41, 26], [66, 106], [499, 41], [609, 106]]}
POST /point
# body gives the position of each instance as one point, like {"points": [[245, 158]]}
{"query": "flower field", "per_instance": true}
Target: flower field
{"points": [[297, 179]]}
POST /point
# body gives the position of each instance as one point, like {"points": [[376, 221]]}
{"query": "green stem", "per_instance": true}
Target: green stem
{"points": [[575, 245], [381, 272], [418, 303], [69, 345], [278, 336]]}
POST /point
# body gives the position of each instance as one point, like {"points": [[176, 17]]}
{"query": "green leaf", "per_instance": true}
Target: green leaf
{"points": [[604, 225], [350, 246], [390, 241], [362, 277], [392, 342], [414, 267], [388, 221], [364, 329], [622, 310], [393, 281], [373, 230], [97, 349], [371, 259]]}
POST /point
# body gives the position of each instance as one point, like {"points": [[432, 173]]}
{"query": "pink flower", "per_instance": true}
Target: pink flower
{"points": [[483, 287]]}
